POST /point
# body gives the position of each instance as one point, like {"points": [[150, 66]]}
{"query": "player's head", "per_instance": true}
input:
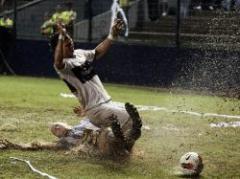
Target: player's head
{"points": [[68, 45], [59, 129]]}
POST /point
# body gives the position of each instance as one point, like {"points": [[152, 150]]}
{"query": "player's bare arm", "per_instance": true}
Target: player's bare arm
{"points": [[58, 54], [103, 47]]}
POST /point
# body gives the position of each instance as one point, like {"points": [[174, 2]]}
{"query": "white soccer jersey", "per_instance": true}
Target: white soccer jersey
{"points": [[75, 135], [78, 73]]}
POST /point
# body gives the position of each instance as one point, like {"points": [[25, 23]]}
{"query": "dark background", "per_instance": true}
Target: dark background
{"points": [[135, 64]]}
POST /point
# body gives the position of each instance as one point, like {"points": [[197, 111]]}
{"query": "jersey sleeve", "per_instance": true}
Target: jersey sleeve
{"points": [[89, 55], [81, 56]]}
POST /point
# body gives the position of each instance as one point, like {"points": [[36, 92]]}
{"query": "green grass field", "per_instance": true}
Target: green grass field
{"points": [[28, 105]]}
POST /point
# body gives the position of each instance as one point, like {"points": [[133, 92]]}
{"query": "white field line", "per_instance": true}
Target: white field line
{"points": [[226, 124], [33, 169], [157, 108]]}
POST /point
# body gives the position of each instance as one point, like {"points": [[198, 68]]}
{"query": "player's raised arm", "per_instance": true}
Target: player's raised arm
{"points": [[64, 48], [58, 54], [103, 47]]}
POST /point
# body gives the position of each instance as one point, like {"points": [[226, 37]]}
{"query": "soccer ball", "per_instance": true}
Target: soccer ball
{"points": [[191, 164]]}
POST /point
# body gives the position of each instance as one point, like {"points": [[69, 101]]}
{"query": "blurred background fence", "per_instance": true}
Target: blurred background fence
{"points": [[186, 43], [201, 23]]}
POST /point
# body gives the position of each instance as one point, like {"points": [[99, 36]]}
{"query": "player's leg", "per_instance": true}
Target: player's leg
{"points": [[111, 142], [137, 121], [131, 132], [116, 129], [101, 116], [135, 129], [6, 144]]}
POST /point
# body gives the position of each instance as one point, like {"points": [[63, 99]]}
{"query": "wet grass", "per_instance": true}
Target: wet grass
{"points": [[28, 105]]}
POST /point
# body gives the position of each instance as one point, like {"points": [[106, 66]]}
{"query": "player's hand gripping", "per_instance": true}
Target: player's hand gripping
{"points": [[117, 28], [61, 29], [79, 111]]}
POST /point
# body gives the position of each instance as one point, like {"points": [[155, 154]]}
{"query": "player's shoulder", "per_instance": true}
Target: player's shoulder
{"points": [[84, 52], [79, 51]]}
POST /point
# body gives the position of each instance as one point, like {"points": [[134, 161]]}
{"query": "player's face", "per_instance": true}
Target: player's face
{"points": [[58, 130], [68, 48]]}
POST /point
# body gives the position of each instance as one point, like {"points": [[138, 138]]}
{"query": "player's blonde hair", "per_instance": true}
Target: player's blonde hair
{"points": [[55, 125]]}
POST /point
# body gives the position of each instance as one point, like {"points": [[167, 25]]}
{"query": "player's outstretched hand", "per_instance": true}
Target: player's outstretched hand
{"points": [[79, 111], [117, 27], [4, 143], [61, 28]]}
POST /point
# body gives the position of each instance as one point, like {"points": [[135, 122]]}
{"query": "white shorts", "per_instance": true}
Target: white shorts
{"points": [[100, 115]]}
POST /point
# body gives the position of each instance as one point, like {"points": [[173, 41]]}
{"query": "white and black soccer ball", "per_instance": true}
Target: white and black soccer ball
{"points": [[191, 164]]}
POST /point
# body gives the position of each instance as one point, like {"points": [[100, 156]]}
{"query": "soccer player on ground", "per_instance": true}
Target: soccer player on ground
{"points": [[84, 138], [89, 139], [114, 130], [75, 68]]}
